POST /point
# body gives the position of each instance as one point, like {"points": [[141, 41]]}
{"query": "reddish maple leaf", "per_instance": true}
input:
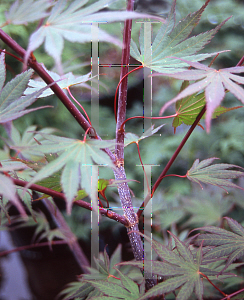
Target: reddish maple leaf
{"points": [[214, 82]]}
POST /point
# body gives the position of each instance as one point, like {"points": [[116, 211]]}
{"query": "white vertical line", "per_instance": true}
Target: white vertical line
{"points": [[147, 97], [94, 216], [148, 219], [95, 72]]}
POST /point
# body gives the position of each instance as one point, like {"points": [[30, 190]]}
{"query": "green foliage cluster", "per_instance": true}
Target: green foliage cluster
{"points": [[39, 163]]}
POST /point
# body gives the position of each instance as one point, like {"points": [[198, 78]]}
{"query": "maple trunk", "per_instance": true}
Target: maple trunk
{"points": [[123, 189]]}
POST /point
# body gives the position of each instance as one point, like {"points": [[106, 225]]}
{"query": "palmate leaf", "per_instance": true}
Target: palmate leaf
{"points": [[64, 81], [127, 289], [116, 291], [8, 190], [134, 138], [29, 137], [188, 108], [12, 101], [54, 182], [19, 12], [225, 243], [75, 158], [218, 174], [173, 41], [207, 207], [180, 268], [213, 82], [18, 168], [104, 268], [73, 23]]}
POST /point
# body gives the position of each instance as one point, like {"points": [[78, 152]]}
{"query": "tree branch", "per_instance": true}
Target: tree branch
{"points": [[71, 238], [123, 189], [55, 87], [47, 78], [35, 187]]}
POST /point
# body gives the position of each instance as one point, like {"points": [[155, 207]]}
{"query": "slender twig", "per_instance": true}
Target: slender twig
{"points": [[55, 87], [14, 56], [26, 247], [224, 294], [118, 86], [71, 238], [143, 117], [177, 151], [88, 119], [46, 77], [241, 61], [232, 295], [35, 187]]}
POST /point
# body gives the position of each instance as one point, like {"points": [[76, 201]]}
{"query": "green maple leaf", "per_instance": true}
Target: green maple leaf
{"points": [[223, 243], [18, 168], [29, 137], [54, 182], [217, 174], [8, 190], [206, 208], [181, 268], [75, 159], [102, 273], [129, 289], [214, 82], [22, 168], [173, 41], [12, 101], [73, 23]]}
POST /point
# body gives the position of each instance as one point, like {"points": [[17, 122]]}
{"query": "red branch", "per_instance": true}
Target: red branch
{"points": [[115, 97], [212, 284], [177, 151], [55, 87], [35, 187]]}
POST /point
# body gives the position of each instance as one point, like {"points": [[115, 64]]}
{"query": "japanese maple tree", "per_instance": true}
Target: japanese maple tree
{"points": [[46, 166]]}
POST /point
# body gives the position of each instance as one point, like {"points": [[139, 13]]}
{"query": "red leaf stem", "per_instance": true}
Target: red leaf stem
{"points": [[170, 162], [16, 57], [205, 276], [116, 92], [79, 105], [143, 117], [177, 151], [233, 294]]}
